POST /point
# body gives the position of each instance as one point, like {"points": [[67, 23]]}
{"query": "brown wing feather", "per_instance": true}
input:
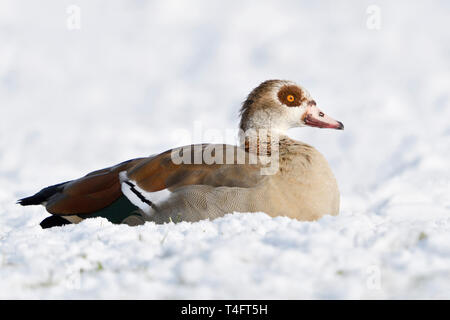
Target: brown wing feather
{"points": [[160, 172], [101, 188], [90, 193]]}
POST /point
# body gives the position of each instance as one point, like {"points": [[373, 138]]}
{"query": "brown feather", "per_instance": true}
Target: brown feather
{"points": [[160, 172], [101, 188], [90, 193]]}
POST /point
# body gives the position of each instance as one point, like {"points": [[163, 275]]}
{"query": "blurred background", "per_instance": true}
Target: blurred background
{"points": [[87, 84]]}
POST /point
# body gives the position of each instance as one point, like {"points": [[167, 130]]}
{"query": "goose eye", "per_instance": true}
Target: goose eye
{"points": [[291, 96]]}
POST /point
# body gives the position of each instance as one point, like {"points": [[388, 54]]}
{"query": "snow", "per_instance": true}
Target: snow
{"points": [[141, 77]]}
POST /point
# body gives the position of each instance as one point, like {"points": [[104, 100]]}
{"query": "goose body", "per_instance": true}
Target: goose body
{"points": [[268, 172]]}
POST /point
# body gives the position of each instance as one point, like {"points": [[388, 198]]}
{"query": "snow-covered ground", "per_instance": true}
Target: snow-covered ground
{"points": [[139, 73]]}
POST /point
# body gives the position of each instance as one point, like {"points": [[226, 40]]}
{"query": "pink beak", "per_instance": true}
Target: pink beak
{"points": [[314, 117]]}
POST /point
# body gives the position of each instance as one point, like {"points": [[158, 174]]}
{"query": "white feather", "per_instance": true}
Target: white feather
{"points": [[153, 197]]}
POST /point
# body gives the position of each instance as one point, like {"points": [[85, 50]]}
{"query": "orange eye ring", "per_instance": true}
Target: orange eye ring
{"points": [[290, 98]]}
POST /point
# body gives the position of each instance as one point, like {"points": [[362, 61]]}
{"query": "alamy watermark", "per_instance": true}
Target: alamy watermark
{"points": [[373, 280], [256, 147], [73, 20], [373, 21]]}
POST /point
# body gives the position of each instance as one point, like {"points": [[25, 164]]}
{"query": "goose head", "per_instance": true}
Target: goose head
{"points": [[279, 105]]}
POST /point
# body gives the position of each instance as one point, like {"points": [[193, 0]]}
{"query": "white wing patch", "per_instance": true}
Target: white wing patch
{"points": [[146, 201]]}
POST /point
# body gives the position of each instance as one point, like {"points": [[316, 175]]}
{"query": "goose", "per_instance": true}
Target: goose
{"points": [[268, 172]]}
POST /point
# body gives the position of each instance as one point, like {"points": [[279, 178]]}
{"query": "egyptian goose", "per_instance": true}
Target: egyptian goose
{"points": [[268, 172]]}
